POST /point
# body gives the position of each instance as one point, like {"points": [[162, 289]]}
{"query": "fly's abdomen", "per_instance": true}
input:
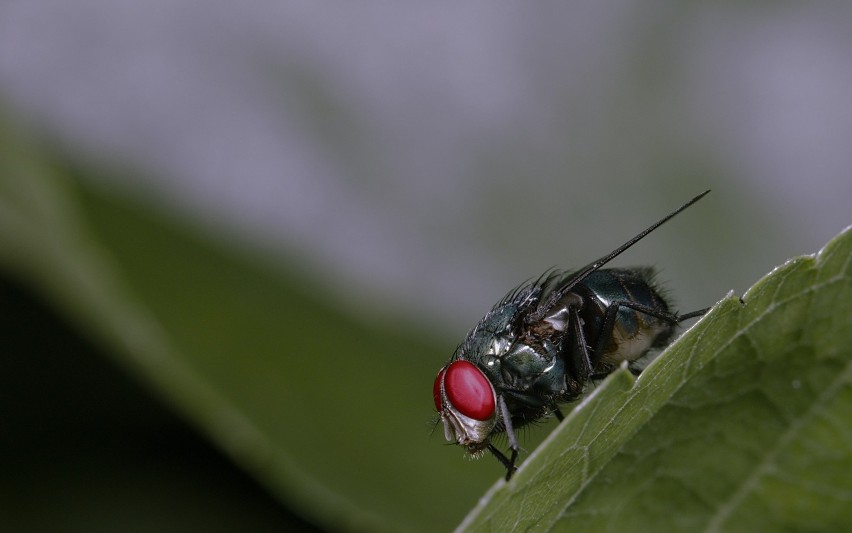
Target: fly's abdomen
{"points": [[624, 317]]}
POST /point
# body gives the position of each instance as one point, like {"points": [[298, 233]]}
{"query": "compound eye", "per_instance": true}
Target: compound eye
{"points": [[436, 389], [468, 390]]}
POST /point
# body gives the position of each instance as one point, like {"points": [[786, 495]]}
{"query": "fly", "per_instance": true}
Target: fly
{"points": [[543, 342]]}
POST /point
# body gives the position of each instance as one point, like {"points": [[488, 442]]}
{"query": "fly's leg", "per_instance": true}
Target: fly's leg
{"points": [[612, 314], [577, 358], [513, 441], [508, 464], [580, 360], [687, 316]]}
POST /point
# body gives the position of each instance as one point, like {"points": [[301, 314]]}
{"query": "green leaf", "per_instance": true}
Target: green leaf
{"points": [[743, 424]]}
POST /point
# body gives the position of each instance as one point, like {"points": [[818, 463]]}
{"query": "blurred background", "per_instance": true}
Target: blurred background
{"points": [[239, 240]]}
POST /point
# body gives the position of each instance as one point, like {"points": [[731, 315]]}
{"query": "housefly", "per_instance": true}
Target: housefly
{"points": [[543, 342]]}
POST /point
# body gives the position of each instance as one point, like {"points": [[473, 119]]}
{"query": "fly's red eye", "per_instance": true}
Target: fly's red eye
{"points": [[436, 389], [468, 390]]}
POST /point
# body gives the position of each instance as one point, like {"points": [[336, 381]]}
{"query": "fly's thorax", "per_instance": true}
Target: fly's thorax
{"points": [[489, 342], [517, 355], [491, 336], [523, 360], [534, 367]]}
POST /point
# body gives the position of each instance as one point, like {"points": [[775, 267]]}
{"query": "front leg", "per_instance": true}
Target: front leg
{"points": [[510, 434], [508, 464]]}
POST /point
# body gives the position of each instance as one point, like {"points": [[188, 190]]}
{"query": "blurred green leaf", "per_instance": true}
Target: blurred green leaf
{"points": [[742, 425], [327, 410]]}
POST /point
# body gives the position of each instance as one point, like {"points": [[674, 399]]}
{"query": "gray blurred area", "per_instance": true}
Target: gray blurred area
{"points": [[422, 159]]}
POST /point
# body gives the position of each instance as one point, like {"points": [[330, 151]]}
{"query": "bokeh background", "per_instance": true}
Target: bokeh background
{"points": [[239, 239]]}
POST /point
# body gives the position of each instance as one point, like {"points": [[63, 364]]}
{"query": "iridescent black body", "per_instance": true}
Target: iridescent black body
{"points": [[534, 359], [544, 341]]}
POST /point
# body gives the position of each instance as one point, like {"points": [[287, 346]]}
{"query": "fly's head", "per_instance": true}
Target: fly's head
{"points": [[468, 404], [466, 390]]}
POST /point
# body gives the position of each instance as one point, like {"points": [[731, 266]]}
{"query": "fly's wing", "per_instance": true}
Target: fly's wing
{"points": [[577, 277]]}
